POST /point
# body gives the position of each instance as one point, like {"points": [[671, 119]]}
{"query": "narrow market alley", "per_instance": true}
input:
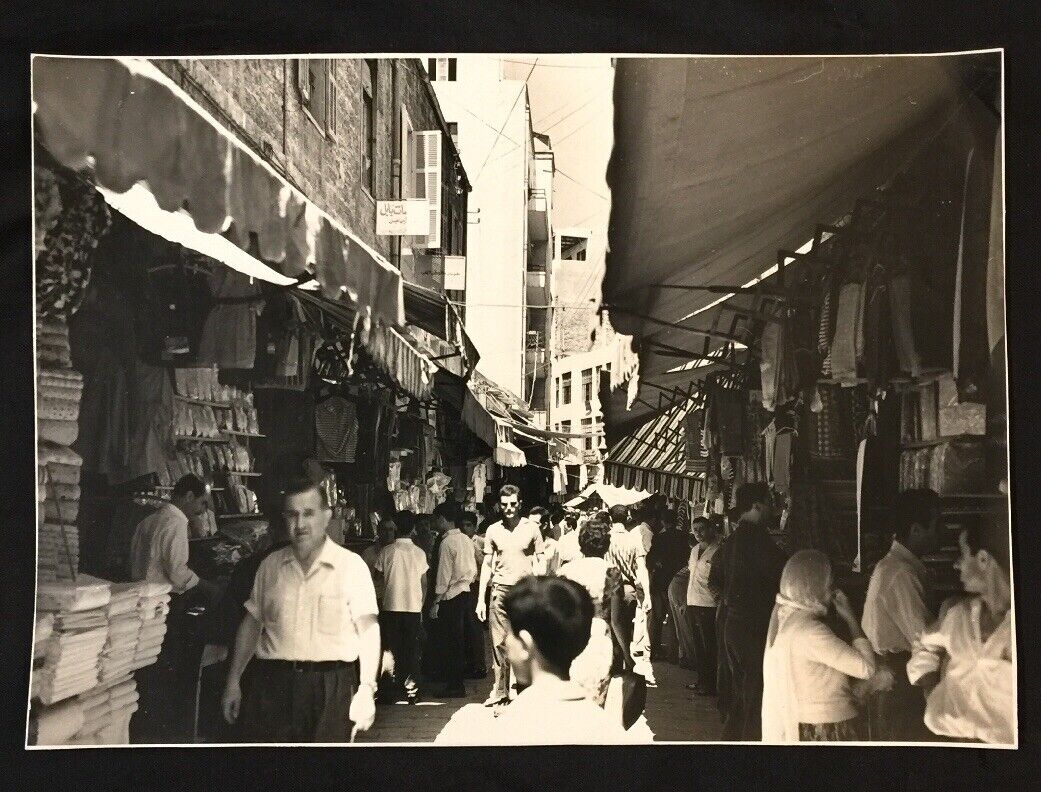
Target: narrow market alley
{"points": [[672, 713]]}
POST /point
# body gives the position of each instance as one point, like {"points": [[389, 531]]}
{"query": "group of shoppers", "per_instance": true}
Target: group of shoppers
{"points": [[572, 603], [790, 660]]}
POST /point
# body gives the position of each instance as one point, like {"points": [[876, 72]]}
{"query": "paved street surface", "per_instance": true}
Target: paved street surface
{"points": [[673, 713]]}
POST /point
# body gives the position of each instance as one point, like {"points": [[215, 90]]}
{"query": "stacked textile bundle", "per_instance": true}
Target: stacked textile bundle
{"points": [[101, 716], [124, 628], [58, 392], [107, 710], [70, 657], [90, 638], [58, 551], [152, 607]]}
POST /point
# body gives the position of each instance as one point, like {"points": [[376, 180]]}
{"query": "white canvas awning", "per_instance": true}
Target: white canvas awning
{"points": [[160, 158], [721, 162]]}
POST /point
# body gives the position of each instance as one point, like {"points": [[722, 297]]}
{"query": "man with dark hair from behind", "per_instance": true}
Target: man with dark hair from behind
{"points": [[159, 548], [628, 556], [746, 571], [311, 621], [402, 566], [549, 621], [896, 612], [456, 570]]}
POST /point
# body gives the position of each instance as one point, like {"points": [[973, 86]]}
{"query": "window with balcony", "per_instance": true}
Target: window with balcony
{"points": [[565, 388]]}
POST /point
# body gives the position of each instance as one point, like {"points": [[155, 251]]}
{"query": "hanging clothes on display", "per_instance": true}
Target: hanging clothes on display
{"points": [[848, 341], [175, 304], [102, 343], [779, 373], [63, 266], [229, 335], [151, 421], [285, 344], [336, 430], [729, 412]]}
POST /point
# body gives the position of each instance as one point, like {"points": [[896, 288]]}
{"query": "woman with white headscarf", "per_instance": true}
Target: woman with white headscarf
{"points": [[807, 668]]}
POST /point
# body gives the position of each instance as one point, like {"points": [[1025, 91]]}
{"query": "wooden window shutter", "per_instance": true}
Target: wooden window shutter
{"points": [[303, 80], [430, 142], [330, 99]]}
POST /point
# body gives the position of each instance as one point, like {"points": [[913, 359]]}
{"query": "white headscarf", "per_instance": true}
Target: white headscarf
{"points": [[780, 711]]}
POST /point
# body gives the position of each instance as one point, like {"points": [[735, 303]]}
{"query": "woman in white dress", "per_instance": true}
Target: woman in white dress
{"points": [[591, 670]]}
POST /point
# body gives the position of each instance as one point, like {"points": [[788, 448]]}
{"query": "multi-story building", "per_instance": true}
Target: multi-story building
{"points": [[509, 251], [349, 133]]}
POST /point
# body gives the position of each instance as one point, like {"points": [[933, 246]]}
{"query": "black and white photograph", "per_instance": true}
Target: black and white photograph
{"points": [[462, 399]]}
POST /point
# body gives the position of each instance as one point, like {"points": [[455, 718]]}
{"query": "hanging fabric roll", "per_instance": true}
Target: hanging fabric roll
{"points": [[848, 333]]}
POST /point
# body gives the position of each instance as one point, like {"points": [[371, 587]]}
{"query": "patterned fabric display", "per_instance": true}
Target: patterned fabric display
{"points": [[63, 266]]}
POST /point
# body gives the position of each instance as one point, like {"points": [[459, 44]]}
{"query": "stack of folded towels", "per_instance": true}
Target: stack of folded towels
{"points": [[124, 627], [107, 710], [152, 607], [58, 495], [79, 624], [90, 637], [58, 392]]}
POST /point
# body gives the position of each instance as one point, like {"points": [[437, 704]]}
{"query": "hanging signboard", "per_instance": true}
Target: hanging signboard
{"points": [[455, 273], [402, 218]]}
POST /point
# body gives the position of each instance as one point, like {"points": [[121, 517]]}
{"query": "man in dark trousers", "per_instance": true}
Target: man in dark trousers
{"points": [[451, 608], [747, 573], [311, 621]]}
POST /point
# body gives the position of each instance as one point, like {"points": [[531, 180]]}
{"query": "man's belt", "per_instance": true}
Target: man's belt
{"points": [[302, 666]]}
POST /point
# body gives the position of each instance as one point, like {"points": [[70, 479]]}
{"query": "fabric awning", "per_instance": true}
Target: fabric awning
{"points": [[137, 128], [653, 459], [720, 162], [619, 496]]}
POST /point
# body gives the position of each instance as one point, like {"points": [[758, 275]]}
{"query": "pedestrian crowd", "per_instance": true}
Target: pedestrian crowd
{"points": [[568, 605]]}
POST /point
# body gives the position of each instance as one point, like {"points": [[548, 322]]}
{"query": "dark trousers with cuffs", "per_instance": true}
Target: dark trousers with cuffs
{"points": [[704, 624], [283, 704], [745, 641], [474, 637], [402, 632], [450, 631], [898, 715]]}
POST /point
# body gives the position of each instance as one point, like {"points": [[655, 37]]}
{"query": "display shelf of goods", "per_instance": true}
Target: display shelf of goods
{"points": [[204, 402], [244, 473], [237, 433], [197, 439], [936, 441]]}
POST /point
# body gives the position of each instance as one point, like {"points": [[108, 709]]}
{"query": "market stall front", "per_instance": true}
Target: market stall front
{"points": [[846, 243], [196, 314], [722, 162]]}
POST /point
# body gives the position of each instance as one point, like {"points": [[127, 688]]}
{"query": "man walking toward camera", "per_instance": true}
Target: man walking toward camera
{"points": [[510, 548], [311, 621]]}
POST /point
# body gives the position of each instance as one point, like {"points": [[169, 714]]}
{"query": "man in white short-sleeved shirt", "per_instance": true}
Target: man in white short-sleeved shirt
{"points": [[402, 566], [311, 623]]}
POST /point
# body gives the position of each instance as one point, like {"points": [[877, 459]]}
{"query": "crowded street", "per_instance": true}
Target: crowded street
{"points": [[705, 439]]}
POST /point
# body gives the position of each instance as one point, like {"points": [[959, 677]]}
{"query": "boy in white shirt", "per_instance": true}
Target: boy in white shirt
{"points": [[549, 622]]}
